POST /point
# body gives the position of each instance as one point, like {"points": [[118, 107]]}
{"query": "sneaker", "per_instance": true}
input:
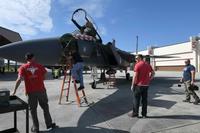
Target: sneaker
{"points": [[81, 88], [188, 101], [77, 81], [52, 126], [132, 114], [33, 130]]}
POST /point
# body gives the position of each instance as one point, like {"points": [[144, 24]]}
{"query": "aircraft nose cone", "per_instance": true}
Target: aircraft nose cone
{"points": [[47, 51]]}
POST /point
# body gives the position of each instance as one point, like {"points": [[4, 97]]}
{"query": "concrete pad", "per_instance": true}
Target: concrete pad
{"points": [[109, 107]]}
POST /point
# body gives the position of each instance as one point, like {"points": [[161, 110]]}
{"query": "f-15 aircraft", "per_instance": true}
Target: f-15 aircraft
{"points": [[55, 51]]}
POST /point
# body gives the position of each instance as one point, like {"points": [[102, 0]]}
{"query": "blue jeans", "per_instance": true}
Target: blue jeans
{"points": [[77, 72]]}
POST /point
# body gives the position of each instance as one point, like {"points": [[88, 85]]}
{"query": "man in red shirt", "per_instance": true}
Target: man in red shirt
{"points": [[140, 83], [34, 75]]}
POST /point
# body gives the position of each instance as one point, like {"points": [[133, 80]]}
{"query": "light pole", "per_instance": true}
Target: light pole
{"points": [[136, 44]]}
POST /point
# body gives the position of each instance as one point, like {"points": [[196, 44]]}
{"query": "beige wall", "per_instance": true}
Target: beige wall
{"points": [[180, 52]]}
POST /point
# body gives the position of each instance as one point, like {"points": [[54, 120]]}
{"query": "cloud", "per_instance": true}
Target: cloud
{"points": [[102, 30], [28, 17], [95, 8]]}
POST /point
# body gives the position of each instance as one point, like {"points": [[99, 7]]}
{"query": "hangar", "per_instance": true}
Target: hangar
{"points": [[181, 52], [7, 36]]}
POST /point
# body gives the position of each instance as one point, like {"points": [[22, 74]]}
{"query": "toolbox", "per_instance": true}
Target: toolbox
{"points": [[4, 97]]}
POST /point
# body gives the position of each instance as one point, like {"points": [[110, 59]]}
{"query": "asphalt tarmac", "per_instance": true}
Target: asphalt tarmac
{"points": [[108, 107]]}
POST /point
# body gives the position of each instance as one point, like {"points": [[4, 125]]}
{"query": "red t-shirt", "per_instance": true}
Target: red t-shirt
{"points": [[33, 75], [143, 69]]}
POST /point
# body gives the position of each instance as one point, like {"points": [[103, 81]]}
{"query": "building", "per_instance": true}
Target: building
{"points": [[7, 36], [179, 51]]}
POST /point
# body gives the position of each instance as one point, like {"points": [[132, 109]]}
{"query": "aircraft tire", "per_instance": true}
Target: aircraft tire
{"points": [[128, 76], [94, 85]]}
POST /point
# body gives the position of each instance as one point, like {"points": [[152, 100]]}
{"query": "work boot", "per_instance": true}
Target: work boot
{"points": [[77, 81], [52, 126], [81, 88]]}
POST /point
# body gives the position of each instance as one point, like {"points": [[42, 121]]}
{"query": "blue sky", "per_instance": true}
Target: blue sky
{"points": [[156, 22]]}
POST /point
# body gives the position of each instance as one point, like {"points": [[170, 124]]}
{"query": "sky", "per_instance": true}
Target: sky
{"points": [[155, 22]]}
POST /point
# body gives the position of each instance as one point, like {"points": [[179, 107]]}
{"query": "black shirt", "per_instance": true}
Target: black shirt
{"points": [[77, 58]]}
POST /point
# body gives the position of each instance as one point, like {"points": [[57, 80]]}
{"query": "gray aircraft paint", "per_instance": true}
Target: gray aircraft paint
{"points": [[47, 51]]}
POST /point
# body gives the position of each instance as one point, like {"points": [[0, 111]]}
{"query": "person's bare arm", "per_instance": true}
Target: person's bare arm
{"points": [[45, 76], [152, 75], [18, 82], [134, 80], [193, 77]]}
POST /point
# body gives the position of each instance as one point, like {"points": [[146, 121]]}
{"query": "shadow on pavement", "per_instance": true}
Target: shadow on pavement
{"points": [[116, 104], [120, 102], [163, 86], [161, 103], [184, 117]]}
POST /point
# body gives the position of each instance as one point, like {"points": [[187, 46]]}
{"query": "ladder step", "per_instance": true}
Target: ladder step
{"points": [[66, 80]]}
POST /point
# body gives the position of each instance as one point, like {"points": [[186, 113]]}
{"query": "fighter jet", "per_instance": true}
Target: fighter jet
{"points": [[55, 51]]}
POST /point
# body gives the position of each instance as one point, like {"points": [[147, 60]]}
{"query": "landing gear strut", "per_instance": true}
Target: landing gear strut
{"points": [[103, 76], [94, 85], [94, 76], [127, 76]]}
